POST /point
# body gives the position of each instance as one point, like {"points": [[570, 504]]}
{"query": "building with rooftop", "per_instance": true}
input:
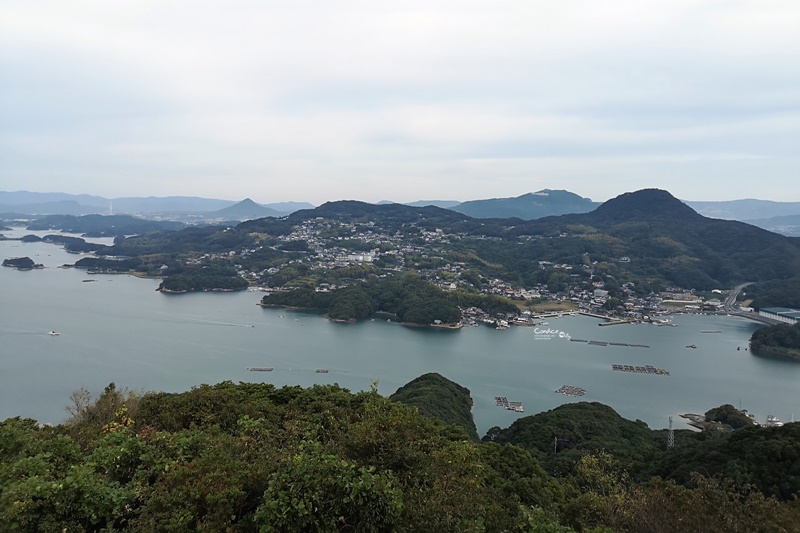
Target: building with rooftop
{"points": [[782, 314]]}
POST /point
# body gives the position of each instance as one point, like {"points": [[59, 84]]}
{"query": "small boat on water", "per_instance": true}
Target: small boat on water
{"points": [[773, 421], [53, 333]]}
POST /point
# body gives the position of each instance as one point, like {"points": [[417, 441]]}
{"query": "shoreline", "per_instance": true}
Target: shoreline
{"points": [[456, 326]]}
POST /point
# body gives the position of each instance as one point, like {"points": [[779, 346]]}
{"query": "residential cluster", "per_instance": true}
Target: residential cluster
{"points": [[333, 244]]}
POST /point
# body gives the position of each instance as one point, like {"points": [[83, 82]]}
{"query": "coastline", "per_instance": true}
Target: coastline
{"points": [[776, 353], [170, 291], [455, 326]]}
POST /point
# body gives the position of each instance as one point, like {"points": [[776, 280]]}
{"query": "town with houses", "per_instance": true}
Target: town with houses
{"points": [[428, 251]]}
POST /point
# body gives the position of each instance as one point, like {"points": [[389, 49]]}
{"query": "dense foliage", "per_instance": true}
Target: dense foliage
{"points": [[412, 299], [561, 436], [781, 339], [729, 416], [436, 396], [776, 293], [186, 278], [253, 457]]}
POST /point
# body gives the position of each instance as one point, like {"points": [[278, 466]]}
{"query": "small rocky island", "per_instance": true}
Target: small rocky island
{"points": [[21, 263]]}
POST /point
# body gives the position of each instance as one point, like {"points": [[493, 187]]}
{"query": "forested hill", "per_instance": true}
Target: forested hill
{"points": [[647, 237], [662, 236], [438, 397], [764, 457], [780, 339], [385, 215], [256, 458], [529, 206]]}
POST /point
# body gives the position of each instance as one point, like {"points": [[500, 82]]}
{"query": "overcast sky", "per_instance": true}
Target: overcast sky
{"points": [[402, 100]]}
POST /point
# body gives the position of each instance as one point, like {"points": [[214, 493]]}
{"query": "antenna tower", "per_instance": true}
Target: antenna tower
{"points": [[670, 435]]}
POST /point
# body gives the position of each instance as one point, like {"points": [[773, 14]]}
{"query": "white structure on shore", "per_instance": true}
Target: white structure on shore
{"points": [[782, 314]]}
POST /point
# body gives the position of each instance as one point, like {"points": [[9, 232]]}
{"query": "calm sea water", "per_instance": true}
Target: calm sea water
{"points": [[118, 328]]}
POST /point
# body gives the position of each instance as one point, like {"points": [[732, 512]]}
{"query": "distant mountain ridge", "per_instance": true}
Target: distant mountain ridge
{"points": [[744, 210], [788, 225], [444, 204], [36, 203], [530, 206], [544, 203]]}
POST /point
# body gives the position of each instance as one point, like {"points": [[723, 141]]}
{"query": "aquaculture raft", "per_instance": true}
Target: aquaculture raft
{"points": [[502, 401], [571, 390], [647, 369]]}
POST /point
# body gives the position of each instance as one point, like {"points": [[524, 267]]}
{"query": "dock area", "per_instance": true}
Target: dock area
{"points": [[595, 315], [616, 322], [604, 343]]}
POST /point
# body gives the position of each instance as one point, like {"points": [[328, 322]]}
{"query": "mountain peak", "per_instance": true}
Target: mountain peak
{"points": [[643, 205], [246, 209]]}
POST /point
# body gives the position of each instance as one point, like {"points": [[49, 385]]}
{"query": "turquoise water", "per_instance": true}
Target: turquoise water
{"points": [[118, 328]]}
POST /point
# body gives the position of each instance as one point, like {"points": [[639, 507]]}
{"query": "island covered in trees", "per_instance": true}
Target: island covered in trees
{"points": [[255, 458], [21, 263]]}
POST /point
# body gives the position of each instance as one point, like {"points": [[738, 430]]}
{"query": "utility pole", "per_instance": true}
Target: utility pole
{"points": [[670, 435]]}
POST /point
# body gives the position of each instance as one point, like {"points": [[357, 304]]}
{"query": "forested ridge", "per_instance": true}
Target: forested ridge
{"points": [[254, 457], [648, 238]]}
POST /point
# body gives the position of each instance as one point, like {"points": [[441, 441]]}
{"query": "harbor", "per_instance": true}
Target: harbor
{"points": [[607, 343]]}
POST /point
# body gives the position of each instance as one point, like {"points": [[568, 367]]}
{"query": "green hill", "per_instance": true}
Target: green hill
{"points": [[529, 206], [256, 458], [561, 436], [438, 397]]}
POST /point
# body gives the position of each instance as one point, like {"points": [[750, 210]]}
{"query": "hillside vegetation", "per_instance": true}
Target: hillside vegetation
{"points": [[780, 339], [410, 298], [437, 397], [253, 457]]}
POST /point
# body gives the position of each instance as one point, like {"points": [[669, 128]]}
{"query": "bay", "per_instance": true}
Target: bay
{"points": [[117, 328]]}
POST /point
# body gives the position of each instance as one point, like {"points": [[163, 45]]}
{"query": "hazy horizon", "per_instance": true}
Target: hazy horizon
{"points": [[302, 200], [313, 101]]}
